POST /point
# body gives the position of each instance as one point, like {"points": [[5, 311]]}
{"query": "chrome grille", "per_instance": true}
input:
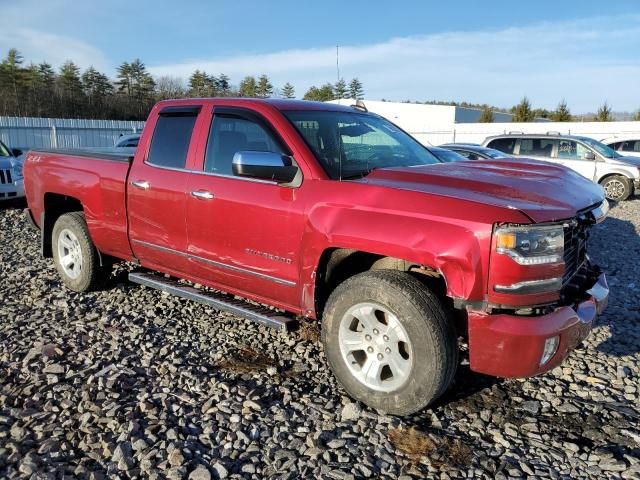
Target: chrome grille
{"points": [[575, 249], [5, 177]]}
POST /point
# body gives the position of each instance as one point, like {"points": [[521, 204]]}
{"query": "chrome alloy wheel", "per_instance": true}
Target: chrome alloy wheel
{"points": [[375, 347], [69, 253], [614, 189]]}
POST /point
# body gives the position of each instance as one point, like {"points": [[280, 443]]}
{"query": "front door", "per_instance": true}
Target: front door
{"points": [[572, 154], [156, 193], [243, 234]]}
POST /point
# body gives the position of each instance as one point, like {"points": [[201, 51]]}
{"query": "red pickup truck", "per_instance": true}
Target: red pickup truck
{"points": [[333, 213]]}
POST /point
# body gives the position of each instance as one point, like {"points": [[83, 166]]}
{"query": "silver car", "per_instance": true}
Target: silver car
{"points": [[619, 175], [11, 182]]}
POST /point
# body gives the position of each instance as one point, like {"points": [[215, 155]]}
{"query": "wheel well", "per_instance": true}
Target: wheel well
{"points": [[609, 175], [338, 264], [54, 206]]}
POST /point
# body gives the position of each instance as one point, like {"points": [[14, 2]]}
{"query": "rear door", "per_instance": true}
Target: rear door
{"points": [[571, 154], [244, 234], [156, 193]]}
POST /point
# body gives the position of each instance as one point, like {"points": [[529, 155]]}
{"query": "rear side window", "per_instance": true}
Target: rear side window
{"points": [[170, 142], [540, 147], [505, 145], [229, 135]]}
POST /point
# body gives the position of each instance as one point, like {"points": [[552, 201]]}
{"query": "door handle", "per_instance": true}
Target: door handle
{"points": [[143, 184], [202, 195]]}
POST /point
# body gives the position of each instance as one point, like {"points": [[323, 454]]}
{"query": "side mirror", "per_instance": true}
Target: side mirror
{"points": [[16, 152], [589, 156], [264, 166]]}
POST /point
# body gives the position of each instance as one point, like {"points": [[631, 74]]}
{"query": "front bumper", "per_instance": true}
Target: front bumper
{"points": [[505, 345], [9, 191]]}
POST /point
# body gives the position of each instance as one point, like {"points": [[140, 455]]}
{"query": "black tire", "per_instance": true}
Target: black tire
{"points": [[429, 329], [91, 275], [617, 187]]}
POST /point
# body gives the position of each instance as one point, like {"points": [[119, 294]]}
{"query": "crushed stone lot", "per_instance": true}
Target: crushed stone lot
{"points": [[132, 383]]}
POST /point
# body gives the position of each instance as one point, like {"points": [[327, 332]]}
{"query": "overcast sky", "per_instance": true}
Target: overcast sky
{"points": [[486, 52]]}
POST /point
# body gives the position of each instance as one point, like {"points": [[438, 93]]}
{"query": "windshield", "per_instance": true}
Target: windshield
{"points": [[350, 145], [491, 153], [4, 151], [602, 149], [447, 155]]}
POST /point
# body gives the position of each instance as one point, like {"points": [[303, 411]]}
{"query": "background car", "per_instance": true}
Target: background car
{"points": [[11, 180], [472, 151], [445, 155], [624, 145], [619, 175]]}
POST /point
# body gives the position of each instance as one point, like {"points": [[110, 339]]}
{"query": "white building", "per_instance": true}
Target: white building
{"points": [[438, 124]]}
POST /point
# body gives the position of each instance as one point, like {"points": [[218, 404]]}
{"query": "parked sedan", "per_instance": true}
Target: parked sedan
{"points": [[471, 151], [11, 183]]}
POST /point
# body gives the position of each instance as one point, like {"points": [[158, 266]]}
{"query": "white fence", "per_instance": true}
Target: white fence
{"points": [[27, 132], [477, 132]]}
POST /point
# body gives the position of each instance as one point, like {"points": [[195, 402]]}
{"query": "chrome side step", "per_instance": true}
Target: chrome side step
{"points": [[219, 301]]}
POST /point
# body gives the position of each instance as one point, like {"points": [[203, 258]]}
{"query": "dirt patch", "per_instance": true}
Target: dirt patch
{"points": [[309, 331], [245, 360], [417, 447]]}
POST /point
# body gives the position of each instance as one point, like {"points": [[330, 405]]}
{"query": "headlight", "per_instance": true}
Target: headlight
{"points": [[17, 171], [531, 245]]}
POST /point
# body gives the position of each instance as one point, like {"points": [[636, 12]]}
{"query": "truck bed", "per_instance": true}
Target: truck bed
{"points": [[97, 180]]}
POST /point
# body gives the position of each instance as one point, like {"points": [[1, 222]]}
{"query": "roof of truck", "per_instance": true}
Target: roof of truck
{"points": [[279, 103]]}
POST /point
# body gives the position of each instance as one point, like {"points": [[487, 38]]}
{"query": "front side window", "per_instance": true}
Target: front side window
{"points": [[540, 147], [505, 145], [230, 134], [568, 149], [171, 139], [352, 144]]}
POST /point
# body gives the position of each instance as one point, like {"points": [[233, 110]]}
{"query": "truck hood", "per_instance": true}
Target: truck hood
{"points": [[542, 191]]}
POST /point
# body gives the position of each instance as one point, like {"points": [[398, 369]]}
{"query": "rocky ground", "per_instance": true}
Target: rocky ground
{"points": [[131, 383]]}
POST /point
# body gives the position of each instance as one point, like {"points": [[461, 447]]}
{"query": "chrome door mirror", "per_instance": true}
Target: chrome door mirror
{"points": [[589, 156], [264, 166]]}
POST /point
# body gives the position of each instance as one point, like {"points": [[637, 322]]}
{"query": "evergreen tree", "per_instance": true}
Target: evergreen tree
{"points": [[248, 87], [200, 84], [604, 114], [522, 112], [12, 80], [356, 91], [561, 113], [223, 85], [264, 89], [125, 80], [486, 116], [340, 89], [69, 79], [322, 94], [288, 91], [636, 117]]}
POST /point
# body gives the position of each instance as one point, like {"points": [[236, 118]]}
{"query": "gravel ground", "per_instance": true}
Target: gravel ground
{"points": [[130, 383]]}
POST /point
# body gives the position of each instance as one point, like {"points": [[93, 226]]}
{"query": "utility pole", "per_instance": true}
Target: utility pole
{"points": [[338, 62]]}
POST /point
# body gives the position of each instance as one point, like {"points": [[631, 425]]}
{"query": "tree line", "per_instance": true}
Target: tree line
{"points": [[42, 91]]}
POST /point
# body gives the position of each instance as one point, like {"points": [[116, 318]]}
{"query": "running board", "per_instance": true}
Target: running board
{"points": [[219, 301]]}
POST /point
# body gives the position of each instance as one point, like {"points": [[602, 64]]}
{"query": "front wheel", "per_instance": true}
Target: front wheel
{"points": [[75, 255], [616, 187], [389, 341]]}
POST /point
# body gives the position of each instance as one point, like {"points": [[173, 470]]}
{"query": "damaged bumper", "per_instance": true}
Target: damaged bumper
{"points": [[506, 345]]}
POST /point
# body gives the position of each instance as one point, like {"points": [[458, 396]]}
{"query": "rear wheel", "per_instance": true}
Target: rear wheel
{"points": [[616, 187], [74, 254], [389, 341]]}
